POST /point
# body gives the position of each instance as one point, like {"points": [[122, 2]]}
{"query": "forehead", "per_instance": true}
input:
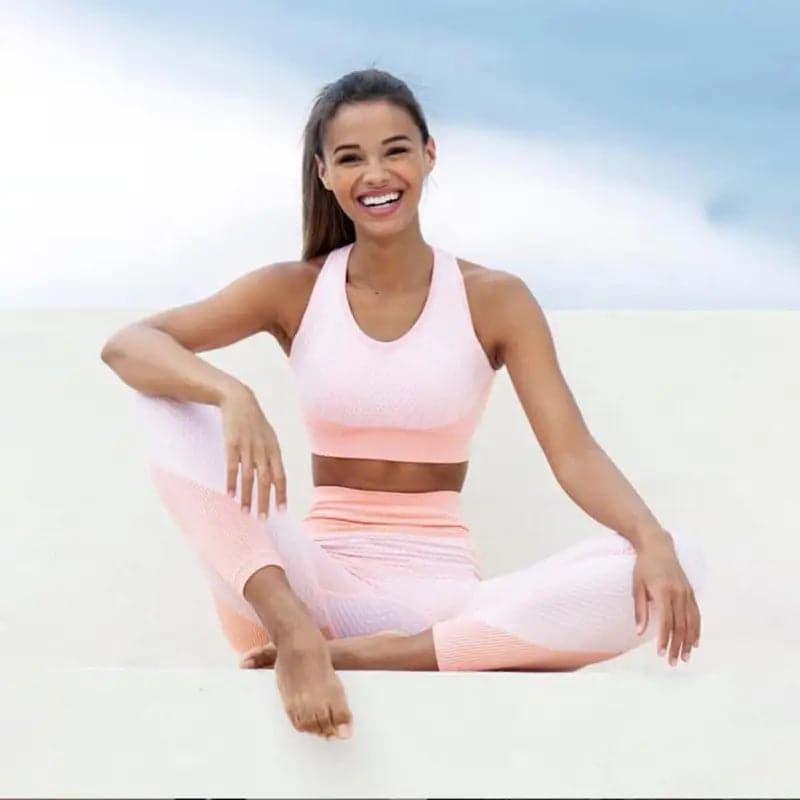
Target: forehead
{"points": [[367, 123]]}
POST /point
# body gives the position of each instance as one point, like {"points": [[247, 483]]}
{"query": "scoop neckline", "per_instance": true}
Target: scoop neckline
{"points": [[416, 325]]}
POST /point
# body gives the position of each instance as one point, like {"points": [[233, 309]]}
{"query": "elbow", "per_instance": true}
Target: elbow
{"points": [[113, 348], [115, 345], [108, 351]]}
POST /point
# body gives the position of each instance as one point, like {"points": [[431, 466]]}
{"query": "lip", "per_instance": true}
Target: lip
{"points": [[381, 211], [379, 192]]}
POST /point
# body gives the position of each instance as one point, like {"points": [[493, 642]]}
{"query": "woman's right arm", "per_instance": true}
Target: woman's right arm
{"points": [[157, 355]]}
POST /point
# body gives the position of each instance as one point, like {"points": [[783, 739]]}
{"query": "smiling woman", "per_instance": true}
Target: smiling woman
{"points": [[394, 344]]}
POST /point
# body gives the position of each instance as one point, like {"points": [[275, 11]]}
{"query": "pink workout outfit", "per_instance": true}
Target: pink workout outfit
{"points": [[365, 561]]}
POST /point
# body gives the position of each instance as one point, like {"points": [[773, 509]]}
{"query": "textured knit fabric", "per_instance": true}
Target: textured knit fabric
{"points": [[367, 561], [416, 398]]}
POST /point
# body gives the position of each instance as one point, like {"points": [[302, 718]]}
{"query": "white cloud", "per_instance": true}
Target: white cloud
{"points": [[601, 227], [130, 188]]}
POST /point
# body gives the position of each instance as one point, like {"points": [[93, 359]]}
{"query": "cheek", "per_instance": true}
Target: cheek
{"points": [[342, 190], [413, 177]]}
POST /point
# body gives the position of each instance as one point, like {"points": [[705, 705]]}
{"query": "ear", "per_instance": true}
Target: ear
{"points": [[430, 155], [321, 171]]}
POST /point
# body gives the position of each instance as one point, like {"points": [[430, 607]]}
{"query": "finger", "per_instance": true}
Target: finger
{"points": [[233, 468], [264, 484], [679, 625], [247, 479], [279, 478], [688, 636], [694, 620], [640, 607], [665, 625], [693, 617], [699, 627]]}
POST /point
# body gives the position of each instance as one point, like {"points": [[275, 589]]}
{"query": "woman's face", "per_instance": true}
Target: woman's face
{"points": [[374, 148]]}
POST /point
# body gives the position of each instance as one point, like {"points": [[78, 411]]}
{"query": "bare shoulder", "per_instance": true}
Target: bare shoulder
{"points": [[301, 276], [486, 281], [491, 294], [298, 279]]}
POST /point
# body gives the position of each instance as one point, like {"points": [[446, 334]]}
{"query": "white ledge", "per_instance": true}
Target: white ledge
{"points": [[208, 732], [116, 680]]}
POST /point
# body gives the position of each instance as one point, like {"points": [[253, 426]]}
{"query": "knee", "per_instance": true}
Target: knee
{"points": [[158, 411], [184, 437]]}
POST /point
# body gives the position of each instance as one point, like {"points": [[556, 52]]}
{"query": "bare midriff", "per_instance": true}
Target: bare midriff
{"points": [[387, 476]]}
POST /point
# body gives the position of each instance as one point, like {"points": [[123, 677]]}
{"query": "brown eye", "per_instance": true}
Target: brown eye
{"points": [[392, 152]]}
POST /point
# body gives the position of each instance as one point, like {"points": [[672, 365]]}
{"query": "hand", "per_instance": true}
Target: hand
{"points": [[251, 441], [658, 576]]}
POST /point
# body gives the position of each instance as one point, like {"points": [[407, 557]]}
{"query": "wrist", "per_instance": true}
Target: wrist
{"points": [[651, 536], [230, 388]]}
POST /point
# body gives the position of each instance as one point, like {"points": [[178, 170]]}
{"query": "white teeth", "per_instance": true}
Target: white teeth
{"points": [[374, 201]]}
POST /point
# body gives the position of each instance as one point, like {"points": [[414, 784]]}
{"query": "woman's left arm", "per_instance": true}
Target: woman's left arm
{"points": [[525, 345]]}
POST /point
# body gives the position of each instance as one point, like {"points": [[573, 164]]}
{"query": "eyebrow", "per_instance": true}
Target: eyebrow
{"points": [[385, 141]]}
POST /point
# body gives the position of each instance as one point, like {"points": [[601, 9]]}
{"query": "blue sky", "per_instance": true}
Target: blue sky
{"points": [[678, 121]]}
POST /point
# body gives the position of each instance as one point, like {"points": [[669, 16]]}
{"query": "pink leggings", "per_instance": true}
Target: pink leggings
{"points": [[365, 561]]}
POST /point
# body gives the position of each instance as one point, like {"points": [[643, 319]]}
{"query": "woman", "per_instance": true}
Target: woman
{"points": [[394, 345]]}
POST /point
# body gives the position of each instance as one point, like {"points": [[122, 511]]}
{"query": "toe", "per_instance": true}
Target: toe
{"points": [[261, 656]]}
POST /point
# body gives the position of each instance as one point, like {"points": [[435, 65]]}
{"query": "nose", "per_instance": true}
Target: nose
{"points": [[375, 174]]}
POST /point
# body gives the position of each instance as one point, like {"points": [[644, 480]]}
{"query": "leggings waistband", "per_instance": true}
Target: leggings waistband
{"points": [[344, 509]]}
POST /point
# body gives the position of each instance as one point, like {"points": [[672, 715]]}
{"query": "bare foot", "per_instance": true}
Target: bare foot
{"points": [[351, 652], [312, 693]]}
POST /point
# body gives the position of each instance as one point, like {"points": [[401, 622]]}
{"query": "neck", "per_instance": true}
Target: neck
{"points": [[396, 264]]}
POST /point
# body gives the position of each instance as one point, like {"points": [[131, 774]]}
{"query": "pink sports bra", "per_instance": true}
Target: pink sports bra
{"points": [[416, 398]]}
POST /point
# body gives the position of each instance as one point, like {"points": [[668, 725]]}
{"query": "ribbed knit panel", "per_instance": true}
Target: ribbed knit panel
{"points": [[568, 610], [419, 397], [185, 451], [415, 569]]}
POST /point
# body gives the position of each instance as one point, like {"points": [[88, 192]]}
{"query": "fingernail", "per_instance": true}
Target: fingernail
{"points": [[248, 662], [281, 506], [262, 514], [662, 650], [343, 730], [231, 493]]}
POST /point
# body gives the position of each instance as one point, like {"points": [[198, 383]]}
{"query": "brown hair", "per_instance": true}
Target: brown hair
{"points": [[325, 225]]}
